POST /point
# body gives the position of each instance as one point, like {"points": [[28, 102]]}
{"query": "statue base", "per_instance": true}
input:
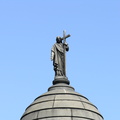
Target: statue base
{"points": [[61, 79]]}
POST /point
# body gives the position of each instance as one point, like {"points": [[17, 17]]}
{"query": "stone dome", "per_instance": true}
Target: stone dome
{"points": [[61, 102]]}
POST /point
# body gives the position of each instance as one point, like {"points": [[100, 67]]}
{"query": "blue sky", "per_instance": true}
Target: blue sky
{"points": [[27, 32]]}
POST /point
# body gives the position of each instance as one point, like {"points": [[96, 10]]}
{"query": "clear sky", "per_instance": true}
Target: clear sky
{"points": [[28, 29]]}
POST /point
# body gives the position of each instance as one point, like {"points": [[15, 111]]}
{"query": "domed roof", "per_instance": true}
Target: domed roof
{"points": [[61, 102]]}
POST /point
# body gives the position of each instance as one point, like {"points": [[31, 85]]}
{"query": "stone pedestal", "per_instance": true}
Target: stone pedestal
{"points": [[61, 79]]}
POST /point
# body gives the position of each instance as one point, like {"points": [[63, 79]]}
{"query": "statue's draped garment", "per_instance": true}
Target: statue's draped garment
{"points": [[58, 59]]}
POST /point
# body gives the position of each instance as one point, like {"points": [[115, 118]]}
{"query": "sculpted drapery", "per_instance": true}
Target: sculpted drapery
{"points": [[57, 55]]}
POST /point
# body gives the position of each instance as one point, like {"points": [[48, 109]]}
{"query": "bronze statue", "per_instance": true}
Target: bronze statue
{"points": [[58, 55]]}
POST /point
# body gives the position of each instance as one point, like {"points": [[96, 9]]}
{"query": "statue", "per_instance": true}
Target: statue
{"points": [[58, 55]]}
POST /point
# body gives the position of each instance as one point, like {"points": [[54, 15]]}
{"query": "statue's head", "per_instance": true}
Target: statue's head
{"points": [[58, 39]]}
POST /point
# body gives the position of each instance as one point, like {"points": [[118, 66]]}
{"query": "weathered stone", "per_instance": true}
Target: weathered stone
{"points": [[61, 102]]}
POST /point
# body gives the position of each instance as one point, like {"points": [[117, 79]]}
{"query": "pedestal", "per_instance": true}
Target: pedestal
{"points": [[61, 79]]}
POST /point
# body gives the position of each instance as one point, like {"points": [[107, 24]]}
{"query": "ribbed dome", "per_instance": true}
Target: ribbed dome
{"points": [[61, 102]]}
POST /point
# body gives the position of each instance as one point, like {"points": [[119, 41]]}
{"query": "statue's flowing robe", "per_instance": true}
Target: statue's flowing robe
{"points": [[58, 59]]}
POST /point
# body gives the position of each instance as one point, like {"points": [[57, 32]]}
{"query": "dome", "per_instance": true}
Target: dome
{"points": [[61, 102]]}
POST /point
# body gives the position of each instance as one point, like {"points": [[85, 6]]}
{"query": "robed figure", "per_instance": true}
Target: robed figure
{"points": [[58, 56]]}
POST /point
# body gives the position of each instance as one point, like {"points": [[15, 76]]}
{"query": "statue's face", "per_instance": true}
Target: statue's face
{"points": [[59, 40]]}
